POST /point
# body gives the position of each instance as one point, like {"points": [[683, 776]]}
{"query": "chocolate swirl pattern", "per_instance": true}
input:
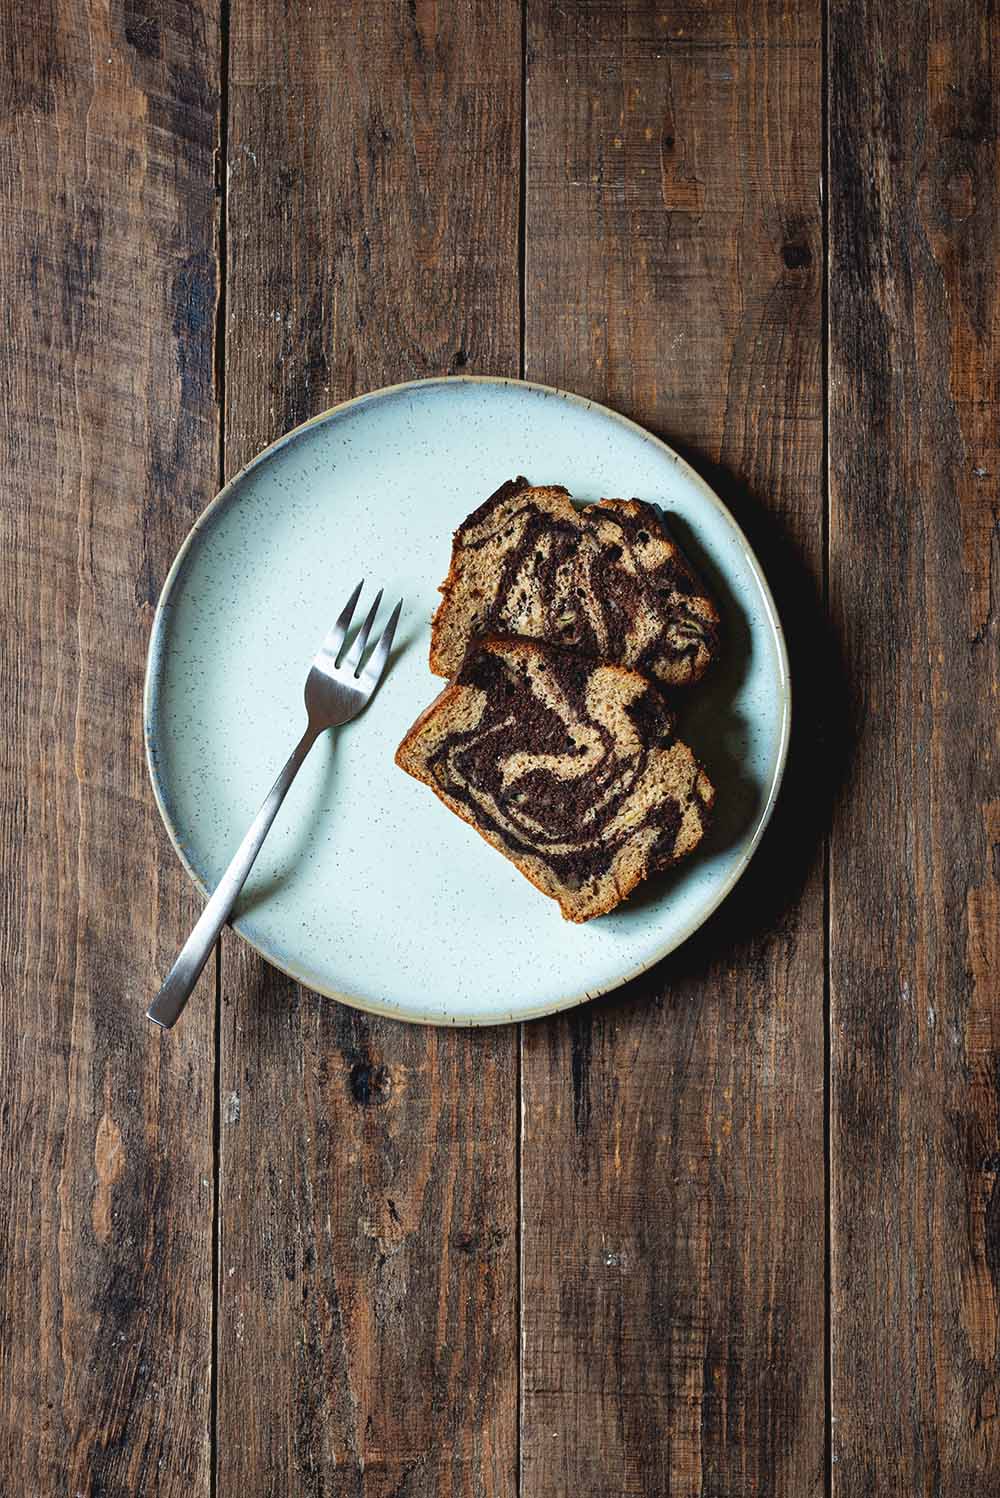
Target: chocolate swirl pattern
{"points": [[568, 766], [607, 580]]}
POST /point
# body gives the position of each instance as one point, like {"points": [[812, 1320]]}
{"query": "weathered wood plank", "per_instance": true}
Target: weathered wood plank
{"points": [[915, 902], [367, 1330], [109, 440], [673, 1179]]}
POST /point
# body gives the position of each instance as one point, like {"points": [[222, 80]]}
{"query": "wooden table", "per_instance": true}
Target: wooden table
{"points": [[736, 1230]]}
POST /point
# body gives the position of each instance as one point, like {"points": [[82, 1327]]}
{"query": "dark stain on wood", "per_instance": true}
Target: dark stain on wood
{"points": [[370, 1084], [141, 27], [796, 256]]}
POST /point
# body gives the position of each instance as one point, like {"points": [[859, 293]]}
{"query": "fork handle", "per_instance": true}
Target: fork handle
{"points": [[166, 1008]]}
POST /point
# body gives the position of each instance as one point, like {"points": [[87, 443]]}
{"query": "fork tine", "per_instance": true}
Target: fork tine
{"points": [[372, 673], [338, 633], [353, 657]]}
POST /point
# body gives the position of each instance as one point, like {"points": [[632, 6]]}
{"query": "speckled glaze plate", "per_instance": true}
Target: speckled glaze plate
{"points": [[368, 889]]}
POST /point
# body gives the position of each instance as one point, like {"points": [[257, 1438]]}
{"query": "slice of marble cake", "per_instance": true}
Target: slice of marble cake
{"points": [[568, 766], [606, 579]]}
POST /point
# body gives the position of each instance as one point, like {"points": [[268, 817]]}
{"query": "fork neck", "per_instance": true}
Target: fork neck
{"points": [[312, 732]]}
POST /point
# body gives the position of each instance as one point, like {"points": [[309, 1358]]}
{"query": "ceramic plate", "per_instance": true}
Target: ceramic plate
{"points": [[368, 889]]}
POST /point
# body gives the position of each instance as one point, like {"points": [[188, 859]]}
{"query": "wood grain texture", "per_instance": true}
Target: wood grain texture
{"points": [[368, 1318], [109, 441], [915, 859], [673, 1152]]}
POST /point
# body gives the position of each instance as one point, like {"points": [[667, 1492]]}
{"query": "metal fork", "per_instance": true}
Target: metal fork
{"points": [[336, 691]]}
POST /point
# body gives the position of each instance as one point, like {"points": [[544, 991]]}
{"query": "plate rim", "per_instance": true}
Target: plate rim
{"points": [[156, 651]]}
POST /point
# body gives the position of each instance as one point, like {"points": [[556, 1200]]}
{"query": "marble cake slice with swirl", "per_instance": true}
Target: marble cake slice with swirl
{"points": [[567, 766], [606, 579]]}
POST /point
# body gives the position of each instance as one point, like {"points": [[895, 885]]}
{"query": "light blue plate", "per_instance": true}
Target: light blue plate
{"points": [[368, 889]]}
